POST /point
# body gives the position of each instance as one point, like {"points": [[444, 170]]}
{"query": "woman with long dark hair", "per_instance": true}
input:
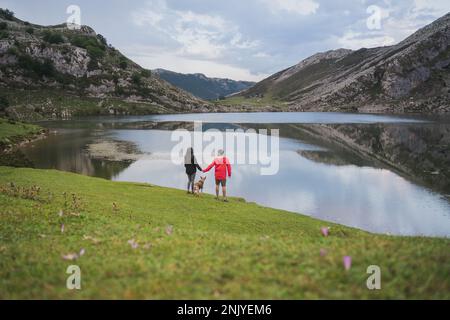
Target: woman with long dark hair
{"points": [[191, 165]]}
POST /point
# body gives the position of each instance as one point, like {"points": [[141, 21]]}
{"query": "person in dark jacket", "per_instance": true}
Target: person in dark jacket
{"points": [[191, 165]]}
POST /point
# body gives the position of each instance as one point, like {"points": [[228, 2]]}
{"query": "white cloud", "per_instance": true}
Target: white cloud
{"points": [[355, 40], [153, 58], [397, 23], [200, 36], [261, 55], [436, 8], [302, 7]]}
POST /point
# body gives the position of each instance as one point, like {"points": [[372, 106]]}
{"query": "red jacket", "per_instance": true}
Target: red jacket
{"points": [[222, 165]]}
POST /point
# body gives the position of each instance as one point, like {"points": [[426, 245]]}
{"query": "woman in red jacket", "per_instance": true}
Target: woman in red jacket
{"points": [[223, 168]]}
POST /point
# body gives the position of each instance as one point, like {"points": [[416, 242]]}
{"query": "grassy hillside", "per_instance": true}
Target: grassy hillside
{"points": [[187, 247], [12, 132], [77, 65], [203, 87]]}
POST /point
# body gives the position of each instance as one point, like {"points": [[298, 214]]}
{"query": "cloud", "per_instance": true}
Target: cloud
{"points": [[355, 40], [235, 38], [398, 20], [198, 35], [301, 7], [152, 58], [434, 8]]}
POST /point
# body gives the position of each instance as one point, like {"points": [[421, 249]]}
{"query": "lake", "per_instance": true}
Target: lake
{"points": [[380, 173]]}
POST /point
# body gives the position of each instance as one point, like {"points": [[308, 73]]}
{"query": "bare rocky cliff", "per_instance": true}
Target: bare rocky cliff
{"points": [[412, 76], [44, 69]]}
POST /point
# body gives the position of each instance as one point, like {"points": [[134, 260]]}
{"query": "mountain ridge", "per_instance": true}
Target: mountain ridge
{"points": [[201, 86], [43, 68], [411, 76]]}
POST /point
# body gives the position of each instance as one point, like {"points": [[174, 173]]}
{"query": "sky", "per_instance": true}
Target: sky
{"points": [[237, 39]]}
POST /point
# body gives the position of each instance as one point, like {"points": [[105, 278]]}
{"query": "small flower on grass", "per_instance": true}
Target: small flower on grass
{"points": [[133, 243], [169, 230], [70, 256], [60, 213], [62, 228], [147, 246], [75, 214], [323, 252], [325, 231], [89, 238], [74, 256], [347, 262]]}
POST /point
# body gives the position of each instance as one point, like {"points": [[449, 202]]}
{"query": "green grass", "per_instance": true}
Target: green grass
{"points": [[267, 100], [13, 132], [217, 250], [46, 104]]}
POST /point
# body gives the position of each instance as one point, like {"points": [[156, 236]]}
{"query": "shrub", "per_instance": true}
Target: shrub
{"points": [[92, 65], [120, 91], [95, 52], [123, 64], [85, 41], [54, 38], [29, 30], [4, 103], [136, 79], [94, 48], [41, 69], [102, 40], [4, 34], [7, 14], [12, 51], [3, 26], [146, 73]]}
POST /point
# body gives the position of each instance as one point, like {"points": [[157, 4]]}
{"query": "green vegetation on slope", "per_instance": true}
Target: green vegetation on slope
{"points": [[191, 247], [202, 86], [81, 64], [12, 132], [257, 102], [32, 105]]}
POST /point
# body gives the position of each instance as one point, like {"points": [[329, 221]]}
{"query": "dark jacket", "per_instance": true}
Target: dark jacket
{"points": [[192, 166]]}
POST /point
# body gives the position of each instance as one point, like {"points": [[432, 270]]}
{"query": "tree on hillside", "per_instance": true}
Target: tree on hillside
{"points": [[7, 14], [4, 103]]}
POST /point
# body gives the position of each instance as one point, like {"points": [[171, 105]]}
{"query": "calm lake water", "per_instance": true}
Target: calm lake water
{"points": [[383, 174]]}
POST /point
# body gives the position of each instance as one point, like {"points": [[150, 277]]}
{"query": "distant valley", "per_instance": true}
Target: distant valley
{"points": [[203, 87]]}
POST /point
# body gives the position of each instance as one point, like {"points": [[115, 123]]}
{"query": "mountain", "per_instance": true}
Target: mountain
{"points": [[203, 87], [56, 72], [412, 76]]}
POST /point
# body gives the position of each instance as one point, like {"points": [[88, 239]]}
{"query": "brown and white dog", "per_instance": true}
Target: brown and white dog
{"points": [[198, 187]]}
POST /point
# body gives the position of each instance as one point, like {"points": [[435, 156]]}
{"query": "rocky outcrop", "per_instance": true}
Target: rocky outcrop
{"points": [[78, 65], [412, 76]]}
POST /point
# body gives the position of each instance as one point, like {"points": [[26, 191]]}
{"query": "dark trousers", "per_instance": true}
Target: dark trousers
{"points": [[191, 182]]}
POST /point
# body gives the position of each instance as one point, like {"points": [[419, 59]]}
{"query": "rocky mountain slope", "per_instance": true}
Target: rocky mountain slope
{"points": [[412, 76], [419, 152], [57, 72], [203, 87]]}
